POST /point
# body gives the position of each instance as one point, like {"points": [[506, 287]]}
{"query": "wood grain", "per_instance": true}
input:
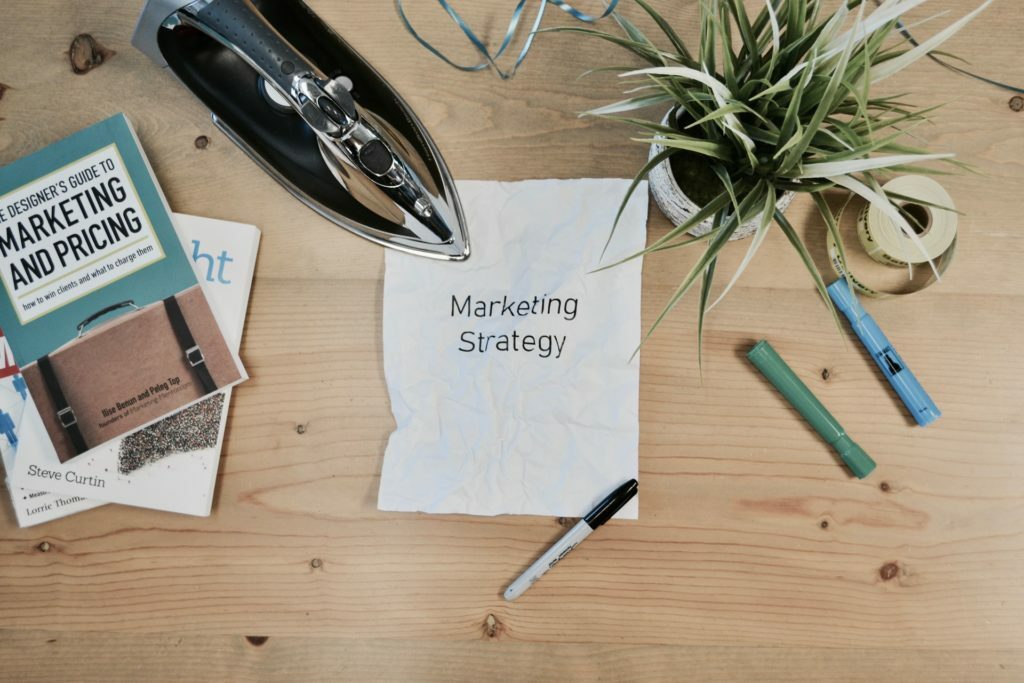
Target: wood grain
{"points": [[156, 658], [755, 557]]}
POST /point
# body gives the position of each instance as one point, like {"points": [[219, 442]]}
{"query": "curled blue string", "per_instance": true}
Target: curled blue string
{"points": [[489, 60]]}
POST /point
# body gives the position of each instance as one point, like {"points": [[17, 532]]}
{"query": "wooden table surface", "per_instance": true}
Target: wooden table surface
{"points": [[755, 557]]}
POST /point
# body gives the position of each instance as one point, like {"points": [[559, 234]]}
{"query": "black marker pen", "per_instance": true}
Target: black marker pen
{"points": [[604, 511]]}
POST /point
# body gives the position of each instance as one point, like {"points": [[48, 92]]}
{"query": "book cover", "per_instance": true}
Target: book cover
{"points": [[37, 506], [172, 464], [100, 305], [30, 507]]}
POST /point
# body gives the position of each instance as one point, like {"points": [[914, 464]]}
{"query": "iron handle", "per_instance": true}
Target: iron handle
{"points": [[239, 25]]}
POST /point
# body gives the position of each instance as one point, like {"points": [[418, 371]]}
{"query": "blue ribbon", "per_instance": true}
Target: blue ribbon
{"points": [[489, 60]]}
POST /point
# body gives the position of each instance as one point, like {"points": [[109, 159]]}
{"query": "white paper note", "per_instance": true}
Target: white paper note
{"points": [[510, 374]]}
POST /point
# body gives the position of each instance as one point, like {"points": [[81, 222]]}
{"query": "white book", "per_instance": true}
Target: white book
{"points": [[170, 465], [30, 507]]}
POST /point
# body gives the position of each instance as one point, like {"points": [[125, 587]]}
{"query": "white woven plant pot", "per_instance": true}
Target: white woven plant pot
{"points": [[674, 203]]}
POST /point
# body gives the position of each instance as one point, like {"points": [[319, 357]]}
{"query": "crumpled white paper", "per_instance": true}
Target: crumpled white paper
{"points": [[486, 426]]}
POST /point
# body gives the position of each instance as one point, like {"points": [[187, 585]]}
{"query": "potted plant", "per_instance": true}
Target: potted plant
{"points": [[766, 107]]}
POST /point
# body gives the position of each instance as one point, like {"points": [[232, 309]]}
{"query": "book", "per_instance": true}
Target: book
{"points": [[172, 464], [31, 507], [100, 306]]}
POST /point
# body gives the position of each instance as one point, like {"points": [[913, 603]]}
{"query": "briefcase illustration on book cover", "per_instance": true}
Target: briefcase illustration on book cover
{"points": [[120, 373]]}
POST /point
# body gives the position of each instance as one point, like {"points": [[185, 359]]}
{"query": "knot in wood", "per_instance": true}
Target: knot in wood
{"points": [[492, 627], [86, 53]]}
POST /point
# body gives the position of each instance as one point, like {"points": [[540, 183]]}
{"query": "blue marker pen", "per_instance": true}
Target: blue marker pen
{"points": [[892, 366]]}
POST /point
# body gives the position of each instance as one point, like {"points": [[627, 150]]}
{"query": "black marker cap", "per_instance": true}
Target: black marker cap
{"points": [[607, 508]]}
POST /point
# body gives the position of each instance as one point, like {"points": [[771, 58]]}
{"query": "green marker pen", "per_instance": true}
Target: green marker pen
{"points": [[771, 365]]}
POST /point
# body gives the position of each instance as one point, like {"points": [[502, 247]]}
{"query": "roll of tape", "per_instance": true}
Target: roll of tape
{"points": [[888, 244]]}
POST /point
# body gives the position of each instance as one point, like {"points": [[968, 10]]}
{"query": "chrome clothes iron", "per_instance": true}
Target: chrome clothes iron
{"points": [[308, 109]]}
